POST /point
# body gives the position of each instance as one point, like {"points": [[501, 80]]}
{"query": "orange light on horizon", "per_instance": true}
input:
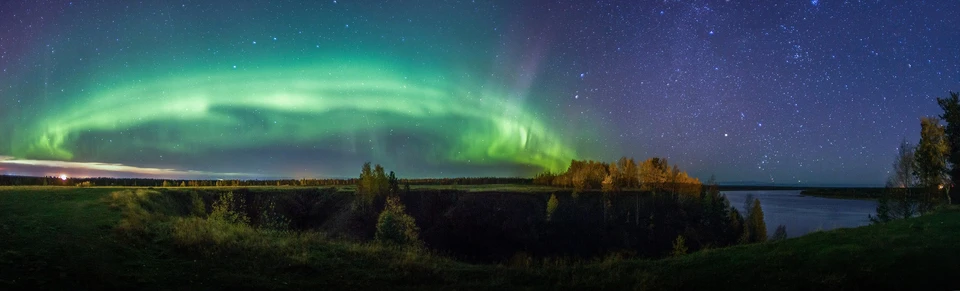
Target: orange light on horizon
{"points": [[63, 177]]}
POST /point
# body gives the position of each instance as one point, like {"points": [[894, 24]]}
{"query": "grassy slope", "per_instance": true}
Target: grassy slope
{"points": [[63, 238]]}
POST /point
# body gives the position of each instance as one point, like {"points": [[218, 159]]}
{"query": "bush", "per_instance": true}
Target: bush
{"points": [[552, 205], [395, 227], [679, 246], [780, 233], [209, 234], [222, 210], [883, 210], [197, 207], [140, 211]]}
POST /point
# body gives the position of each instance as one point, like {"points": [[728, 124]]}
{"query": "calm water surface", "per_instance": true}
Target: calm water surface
{"points": [[804, 214]]}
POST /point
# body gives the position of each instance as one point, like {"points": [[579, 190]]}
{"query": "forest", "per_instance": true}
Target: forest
{"points": [[668, 215], [924, 176]]}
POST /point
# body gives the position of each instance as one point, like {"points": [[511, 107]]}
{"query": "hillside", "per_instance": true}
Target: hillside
{"points": [[66, 238]]}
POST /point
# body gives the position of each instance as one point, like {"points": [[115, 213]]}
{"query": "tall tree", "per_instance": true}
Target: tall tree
{"points": [[394, 184], [609, 185], [617, 177], [759, 231], [754, 227], [653, 174], [737, 227], [951, 115], [628, 172], [902, 176], [898, 201], [930, 160]]}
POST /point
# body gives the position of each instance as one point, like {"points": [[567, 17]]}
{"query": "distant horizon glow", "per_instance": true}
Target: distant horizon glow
{"points": [[61, 169]]}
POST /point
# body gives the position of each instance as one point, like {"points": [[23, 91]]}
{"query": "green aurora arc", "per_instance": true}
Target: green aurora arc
{"points": [[205, 111]]}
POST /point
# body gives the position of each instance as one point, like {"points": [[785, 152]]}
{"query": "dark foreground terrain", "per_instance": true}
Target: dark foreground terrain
{"points": [[87, 238]]}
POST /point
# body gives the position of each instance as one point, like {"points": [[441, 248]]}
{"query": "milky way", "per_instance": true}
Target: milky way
{"points": [[809, 92]]}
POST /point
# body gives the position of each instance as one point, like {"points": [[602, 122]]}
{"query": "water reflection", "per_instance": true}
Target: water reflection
{"points": [[804, 214]]}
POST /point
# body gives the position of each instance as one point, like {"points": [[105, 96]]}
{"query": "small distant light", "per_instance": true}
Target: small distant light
{"points": [[63, 177]]}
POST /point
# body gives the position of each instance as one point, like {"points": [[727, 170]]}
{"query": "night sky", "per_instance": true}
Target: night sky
{"points": [[810, 92]]}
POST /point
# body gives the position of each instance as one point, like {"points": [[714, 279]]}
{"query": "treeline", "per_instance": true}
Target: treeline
{"points": [[499, 226], [468, 181], [653, 174], [661, 212], [925, 176], [9, 180]]}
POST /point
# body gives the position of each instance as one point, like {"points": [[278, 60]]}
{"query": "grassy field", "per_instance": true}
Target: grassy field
{"points": [[67, 238]]}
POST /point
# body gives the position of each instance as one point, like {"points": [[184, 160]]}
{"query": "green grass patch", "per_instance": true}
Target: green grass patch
{"points": [[94, 238]]}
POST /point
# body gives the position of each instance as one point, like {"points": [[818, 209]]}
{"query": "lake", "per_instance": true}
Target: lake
{"points": [[805, 214]]}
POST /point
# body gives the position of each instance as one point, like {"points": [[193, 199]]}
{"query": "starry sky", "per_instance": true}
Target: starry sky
{"points": [[810, 92]]}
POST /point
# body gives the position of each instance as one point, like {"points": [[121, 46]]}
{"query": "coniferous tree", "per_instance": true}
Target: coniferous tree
{"points": [[737, 228], [679, 246], [394, 183], [951, 115], [759, 231], [365, 186], [754, 228]]}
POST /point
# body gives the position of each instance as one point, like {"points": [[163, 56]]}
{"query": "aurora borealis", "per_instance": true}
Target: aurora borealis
{"points": [[787, 93], [237, 110]]}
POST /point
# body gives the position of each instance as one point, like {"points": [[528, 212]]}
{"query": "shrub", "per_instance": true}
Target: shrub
{"points": [[209, 233], [520, 260], [395, 227], [140, 210], [679, 246], [222, 210], [552, 205], [780, 233], [197, 207]]}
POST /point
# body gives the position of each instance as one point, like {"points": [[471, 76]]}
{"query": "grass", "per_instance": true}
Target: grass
{"points": [[68, 238]]}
